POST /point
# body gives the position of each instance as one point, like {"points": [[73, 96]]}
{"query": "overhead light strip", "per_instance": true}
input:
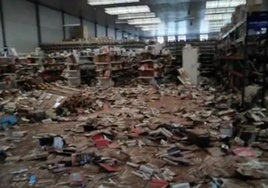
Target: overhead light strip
{"points": [[219, 10], [148, 25], [127, 10], [148, 28], [224, 3], [144, 21], [136, 15], [109, 2], [218, 16]]}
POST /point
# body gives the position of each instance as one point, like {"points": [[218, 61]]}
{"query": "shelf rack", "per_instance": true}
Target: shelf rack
{"points": [[249, 65], [69, 46]]}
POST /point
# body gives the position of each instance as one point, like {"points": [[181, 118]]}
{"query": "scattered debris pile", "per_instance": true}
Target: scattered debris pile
{"points": [[182, 136]]}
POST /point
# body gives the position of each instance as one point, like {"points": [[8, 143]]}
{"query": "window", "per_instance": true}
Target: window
{"points": [[160, 40], [182, 37], [203, 37], [171, 38]]}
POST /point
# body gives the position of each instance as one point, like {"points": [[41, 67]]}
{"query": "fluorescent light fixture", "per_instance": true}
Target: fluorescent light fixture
{"points": [[214, 30], [109, 2], [219, 10], [71, 25], [127, 10], [217, 24], [121, 22], [224, 3], [144, 21], [218, 16], [136, 15], [148, 29], [148, 25]]}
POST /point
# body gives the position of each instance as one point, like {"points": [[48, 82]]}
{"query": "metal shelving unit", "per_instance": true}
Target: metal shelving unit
{"points": [[243, 58], [207, 51], [69, 46]]}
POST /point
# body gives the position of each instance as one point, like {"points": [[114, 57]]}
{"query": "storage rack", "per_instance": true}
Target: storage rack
{"points": [[207, 54], [87, 67], [256, 50], [247, 66], [7, 72], [230, 55]]}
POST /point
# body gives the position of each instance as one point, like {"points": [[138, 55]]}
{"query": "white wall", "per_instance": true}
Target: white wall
{"points": [[51, 25], [20, 25]]}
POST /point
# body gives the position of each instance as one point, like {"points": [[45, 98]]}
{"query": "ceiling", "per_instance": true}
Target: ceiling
{"points": [[174, 14]]}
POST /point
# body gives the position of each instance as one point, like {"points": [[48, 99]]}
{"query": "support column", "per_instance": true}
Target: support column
{"points": [[3, 24], [115, 33], [37, 13], [96, 30], [63, 25]]}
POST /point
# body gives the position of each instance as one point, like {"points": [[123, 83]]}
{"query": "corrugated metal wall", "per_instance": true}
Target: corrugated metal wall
{"points": [[20, 25], [51, 25], [91, 28]]}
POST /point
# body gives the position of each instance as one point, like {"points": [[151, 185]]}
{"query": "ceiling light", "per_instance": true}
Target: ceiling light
{"points": [[71, 25], [214, 30], [148, 25], [219, 10], [217, 23], [136, 15], [144, 21], [121, 22], [224, 3], [149, 28], [109, 2], [218, 16], [127, 10]]}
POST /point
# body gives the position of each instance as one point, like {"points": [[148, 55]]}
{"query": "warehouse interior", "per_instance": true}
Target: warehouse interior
{"points": [[133, 93]]}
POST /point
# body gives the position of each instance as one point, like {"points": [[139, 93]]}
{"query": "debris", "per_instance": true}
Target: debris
{"points": [[32, 180], [199, 137], [180, 185], [156, 183], [244, 152], [76, 179]]}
